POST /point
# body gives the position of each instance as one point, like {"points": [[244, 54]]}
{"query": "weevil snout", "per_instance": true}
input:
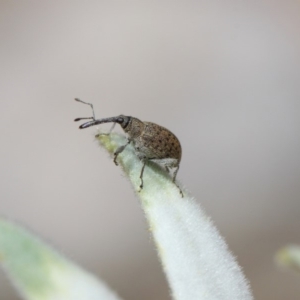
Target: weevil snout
{"points": [[122, 120]]}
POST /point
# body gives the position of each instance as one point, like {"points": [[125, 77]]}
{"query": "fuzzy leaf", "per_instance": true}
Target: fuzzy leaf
{"points": [[289, 257], [40, 273], [194, 256]]}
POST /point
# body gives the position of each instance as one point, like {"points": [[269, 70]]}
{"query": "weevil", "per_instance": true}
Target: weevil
{"points": [[151, 142]]}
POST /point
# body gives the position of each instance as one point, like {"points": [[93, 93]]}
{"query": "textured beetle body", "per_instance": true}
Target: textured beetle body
{"points": [[151, 141], [154, 141]]}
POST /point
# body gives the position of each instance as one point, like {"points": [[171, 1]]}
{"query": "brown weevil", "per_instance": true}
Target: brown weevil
{"points": [[151, 142]]}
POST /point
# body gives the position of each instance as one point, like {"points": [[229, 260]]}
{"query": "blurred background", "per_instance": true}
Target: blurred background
{"points": [[222, 75]]}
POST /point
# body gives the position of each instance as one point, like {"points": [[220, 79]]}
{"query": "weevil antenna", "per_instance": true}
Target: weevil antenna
{"points": [[91, 105]]}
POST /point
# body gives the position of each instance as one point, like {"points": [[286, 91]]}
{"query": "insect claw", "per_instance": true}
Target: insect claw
{"points": [[180, 191], [115, 159]]}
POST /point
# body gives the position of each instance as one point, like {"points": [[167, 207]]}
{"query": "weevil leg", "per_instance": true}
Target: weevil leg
{"points": [[110, 130], [175, 173], [142, 172], [180, 191], [174, 177], [119, 150]]}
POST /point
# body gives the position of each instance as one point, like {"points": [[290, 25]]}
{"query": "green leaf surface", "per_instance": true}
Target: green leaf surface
{"points": [[40, 273]]}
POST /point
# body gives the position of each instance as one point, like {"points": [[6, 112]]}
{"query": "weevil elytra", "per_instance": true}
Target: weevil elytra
{"points": [[151, 142]]}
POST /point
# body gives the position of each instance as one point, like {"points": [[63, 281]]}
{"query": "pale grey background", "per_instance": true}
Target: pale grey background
{"points": [[222, 75]]}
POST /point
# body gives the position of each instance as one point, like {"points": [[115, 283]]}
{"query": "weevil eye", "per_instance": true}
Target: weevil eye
{"points": [[123, 120]]}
